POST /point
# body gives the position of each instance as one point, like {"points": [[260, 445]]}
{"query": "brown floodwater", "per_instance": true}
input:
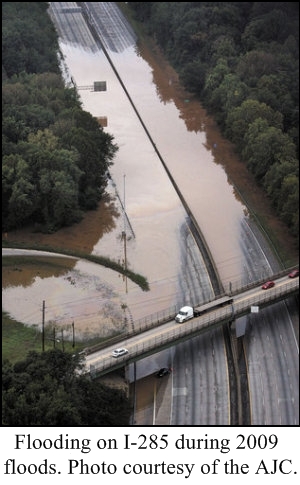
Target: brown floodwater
{"points": [[203, 165], [152, 204], [73, 291]]}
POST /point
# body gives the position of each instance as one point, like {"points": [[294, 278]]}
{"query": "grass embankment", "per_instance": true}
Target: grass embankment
{"points": [[140, 280], [17, 338]]}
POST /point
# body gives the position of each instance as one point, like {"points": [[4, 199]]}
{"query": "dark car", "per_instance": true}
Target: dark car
{"points": [[294, 273], [267, 285], [164, 371]]}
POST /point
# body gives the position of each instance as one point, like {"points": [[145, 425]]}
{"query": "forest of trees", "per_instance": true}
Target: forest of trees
{"points": [[55, 155], [55, 158], [241, 60], [46, 390]]}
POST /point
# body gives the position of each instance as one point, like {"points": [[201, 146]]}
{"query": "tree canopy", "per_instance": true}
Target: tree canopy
{"points": [[241, 59], [47, 389], [55, 155]]}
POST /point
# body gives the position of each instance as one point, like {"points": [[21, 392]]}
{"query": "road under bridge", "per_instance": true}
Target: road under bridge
{"points": [[149, 341]]}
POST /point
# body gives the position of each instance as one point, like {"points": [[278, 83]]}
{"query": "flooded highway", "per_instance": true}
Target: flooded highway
{"points": [[158, 241], [147, 209]]}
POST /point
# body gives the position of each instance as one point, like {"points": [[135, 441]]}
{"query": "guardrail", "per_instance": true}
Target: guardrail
{"points": [[160, 318], [169, 336]]}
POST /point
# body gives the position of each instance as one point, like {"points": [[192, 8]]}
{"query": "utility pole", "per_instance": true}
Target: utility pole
{"points": [[124, 237], [73, 328], [124, 205], [43, 327], [62, 339]]}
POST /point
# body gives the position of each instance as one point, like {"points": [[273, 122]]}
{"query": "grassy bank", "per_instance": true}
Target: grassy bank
{"points": [[140, 280], [19, 339]]}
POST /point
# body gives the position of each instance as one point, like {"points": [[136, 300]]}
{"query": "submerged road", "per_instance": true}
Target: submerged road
{"points": [[200, 392]]}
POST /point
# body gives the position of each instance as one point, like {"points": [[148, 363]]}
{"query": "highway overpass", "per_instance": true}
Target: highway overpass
{"points": [[147, 341]]}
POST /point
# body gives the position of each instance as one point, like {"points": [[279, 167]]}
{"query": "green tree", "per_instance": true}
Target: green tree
{"points": [[96, 151], [264, 146], [229, 94], [193, 77], [57, 177], [255, 64], [64, 151], [28, 34], [46, 389], [18, 192], [289, 203], [268, 26], [215, 77], [160, 21], [275, 175], [187, 36], [240, 118]]}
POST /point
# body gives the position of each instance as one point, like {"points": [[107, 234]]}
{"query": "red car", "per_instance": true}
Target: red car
{"points": [[268, 284], [294, 273]]}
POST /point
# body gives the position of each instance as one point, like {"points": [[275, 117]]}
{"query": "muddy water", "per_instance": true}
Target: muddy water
{"points": [[194, 152], [73, 291], [187, 140], [199, 159]]}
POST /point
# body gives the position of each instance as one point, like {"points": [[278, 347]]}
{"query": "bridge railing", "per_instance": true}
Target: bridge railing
{"points": [[238, 286], [159, 318], [170, 335]]}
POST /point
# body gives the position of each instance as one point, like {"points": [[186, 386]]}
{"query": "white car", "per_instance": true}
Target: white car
{"points": [[119, 352]]}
